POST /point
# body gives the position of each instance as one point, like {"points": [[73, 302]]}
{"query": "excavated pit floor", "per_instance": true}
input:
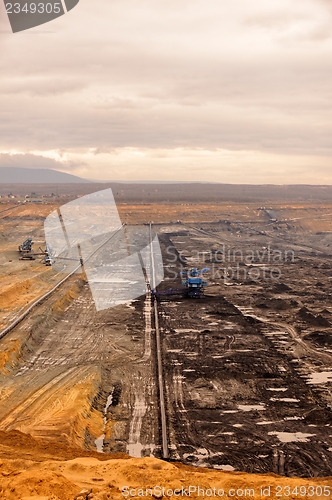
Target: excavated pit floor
{"points": [[247, 368]]}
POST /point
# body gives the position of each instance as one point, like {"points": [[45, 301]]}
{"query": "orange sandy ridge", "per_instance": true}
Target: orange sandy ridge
{"points": [[32, 469]]}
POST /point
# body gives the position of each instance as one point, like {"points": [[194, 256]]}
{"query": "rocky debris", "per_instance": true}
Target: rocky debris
{"points": [[84, 495], [320, 338], [200, 383], [276, 303], [318, 416], [325, 265], [305, 315], [281, 287]]}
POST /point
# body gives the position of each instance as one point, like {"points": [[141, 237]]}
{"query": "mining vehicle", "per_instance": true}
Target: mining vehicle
{"points": [[193, 283]]}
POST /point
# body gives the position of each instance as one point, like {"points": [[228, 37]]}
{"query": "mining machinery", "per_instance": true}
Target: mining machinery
{"points": [[27, 253], [26, 250], [193, 283]]}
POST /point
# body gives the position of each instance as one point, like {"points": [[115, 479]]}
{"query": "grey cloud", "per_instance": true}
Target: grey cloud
{"points": [[101, 151], [4, 22], [178, 75], [273, 20], [168, 126], [40, 87], [326, 3], [112, 102], [35, 161], [293, 26]]}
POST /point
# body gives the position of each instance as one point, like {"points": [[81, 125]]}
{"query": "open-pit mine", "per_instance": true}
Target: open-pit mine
{"points": [[238, 378]]}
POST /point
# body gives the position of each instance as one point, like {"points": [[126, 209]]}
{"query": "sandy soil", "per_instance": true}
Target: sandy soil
{"points": [[59, 367], [34, 470], [22, 282]]}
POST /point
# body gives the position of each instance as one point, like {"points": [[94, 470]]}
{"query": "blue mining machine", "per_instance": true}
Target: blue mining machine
{"points": [[26, 250], [27, 253], [193, 283]]}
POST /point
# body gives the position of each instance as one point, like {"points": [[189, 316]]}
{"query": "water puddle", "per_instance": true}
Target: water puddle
{"points": [[259, 407], [135, 447], [147, 309], [185, 330], [99, 442], [292, 437], [228, 327], [285, 400], [320, 377], [226, 467]]}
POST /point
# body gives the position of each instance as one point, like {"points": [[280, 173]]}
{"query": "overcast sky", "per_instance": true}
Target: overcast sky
{"points": [[236, 91]]}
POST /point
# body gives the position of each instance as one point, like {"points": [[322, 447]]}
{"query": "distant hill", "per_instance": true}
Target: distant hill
{"points": [[19, 175]]}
